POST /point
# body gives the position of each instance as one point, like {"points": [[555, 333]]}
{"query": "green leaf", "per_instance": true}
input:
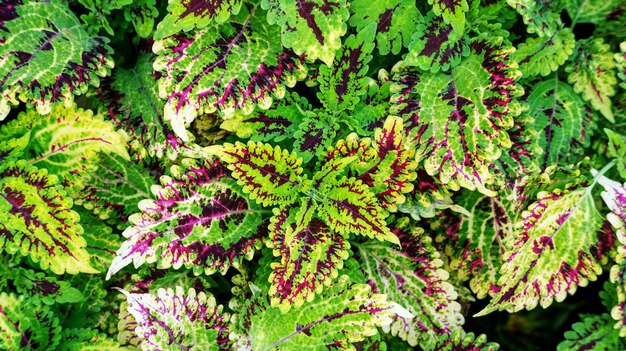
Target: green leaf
{"points": [[178, 320], [46, 55], [594, 333], [459, 341], [270, 175], [344, 314], [558, 246], [37, 220], [142, 14], [88, 340], [452, 12], [562, 122], [27, 327], [457, 121], [414, 278], [539, 17], [310, 27], [314, 134], [542, 55], [590, 11], [41, 288], [592, 74], [310, 256], [225, 67], [341, 82], [185, 15], [620, 61], [395, 22]]}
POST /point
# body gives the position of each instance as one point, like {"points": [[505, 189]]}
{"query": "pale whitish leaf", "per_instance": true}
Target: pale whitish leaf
{"points": [[558, 246], [46, 55], [414, 278]]}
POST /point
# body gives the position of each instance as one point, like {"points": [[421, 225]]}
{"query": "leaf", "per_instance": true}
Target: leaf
{"points": [[562, 121], [65, 141], [558, 246], [594, 333], [540, 18], [620, 63], [199, 219], [413, 277], [542, 55], [142, 14], [590, 11], [23, 326], [457, 128], [341, 82], [88, 340], [310, 256], [458, 341], [115, 188], [185, 15], [46, 55], [188, 320], [395, 22], [436, 45], [342, 315], [132, 100], [452, 12], [350, 207], [592, 74], [225, 67], [37, 220], [270, 175], [310, 27], [41, 288], [101, 241], [475, 240], [315, 134], [371, 111]]}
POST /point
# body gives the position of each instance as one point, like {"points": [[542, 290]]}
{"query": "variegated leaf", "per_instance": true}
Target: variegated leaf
{"points": [[65, 141], [459, 341], [185, 15], [142, 14], [178, 320], [344, 314], [427, 197], [270, 175], [199, 219], [474, 241], [27, 327], [341, 82], [590, 11], [539, 17], [559, 245], [594, 333], [592, 74], [40, 288], [522, 158], [436, 45], [46, 55], [458, 129], [310, 27], [562, 121], [37, 220], [224, 67], [395, 22], [88, 340], [370, 113], [310, 256], [314, 134], [349, 206], [413, 277], [452, 12], [101, 241], [543, 55]]}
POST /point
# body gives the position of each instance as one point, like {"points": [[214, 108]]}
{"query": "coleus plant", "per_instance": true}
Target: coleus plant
{"points": [[320, 174]]}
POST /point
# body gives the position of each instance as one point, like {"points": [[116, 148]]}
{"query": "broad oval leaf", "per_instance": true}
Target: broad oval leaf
{"points": [[178, 320], [458, 121], [46, 55], [199, 219], [310, 27], [37, 220], [223, 67]]}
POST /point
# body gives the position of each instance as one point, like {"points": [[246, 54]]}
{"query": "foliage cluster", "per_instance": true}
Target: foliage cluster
{"points": [[312, 174]]}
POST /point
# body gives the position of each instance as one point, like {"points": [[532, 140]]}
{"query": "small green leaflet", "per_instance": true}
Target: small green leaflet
{"points": [[46, 55], [543, 55], [310, 27], [594, 333], [592, 74], [558, 246], [37, 220], [185, 15], [452, 12], [459, 341]]}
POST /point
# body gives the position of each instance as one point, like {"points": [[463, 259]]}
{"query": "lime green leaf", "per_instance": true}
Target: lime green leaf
{"points": [[88, 340], [46, 55], [594, 333], [590, 11], [620, 60], [314, 134], [395, 22], [185, 15], [310, 27], [542, 55], [592, 74], [452, 12], [142, 14], [459, 341], [27, 327], [413, 277], [37, 220], [539, 17], [41, 288]]}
